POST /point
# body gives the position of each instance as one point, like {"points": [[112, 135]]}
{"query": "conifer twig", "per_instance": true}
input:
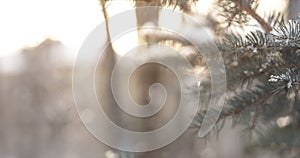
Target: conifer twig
{"points": [[252, 13]]}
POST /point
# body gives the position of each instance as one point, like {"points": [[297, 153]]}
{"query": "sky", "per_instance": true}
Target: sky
{"points": [[29, 22]]}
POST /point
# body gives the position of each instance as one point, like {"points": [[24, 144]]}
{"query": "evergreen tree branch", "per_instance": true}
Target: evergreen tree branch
{"points": [[252, 13], [257, 97]]}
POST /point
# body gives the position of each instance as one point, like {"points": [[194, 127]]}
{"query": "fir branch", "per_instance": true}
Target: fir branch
{"points": [[285, 36], [252, 13], [247, 99], [239, 103], [288, 36], [232, 13], [230, 20]]}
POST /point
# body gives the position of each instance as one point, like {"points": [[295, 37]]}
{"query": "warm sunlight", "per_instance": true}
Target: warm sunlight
{"points": [[27, 23]]}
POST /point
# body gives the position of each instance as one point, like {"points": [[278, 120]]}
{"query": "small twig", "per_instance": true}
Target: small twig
{"points": [[230, 20], [106, 19], [232, 85], [252, 13], [259, 100]]}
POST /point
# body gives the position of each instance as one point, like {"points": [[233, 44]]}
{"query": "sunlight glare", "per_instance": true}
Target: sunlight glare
{"points": [[27, 23]]}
